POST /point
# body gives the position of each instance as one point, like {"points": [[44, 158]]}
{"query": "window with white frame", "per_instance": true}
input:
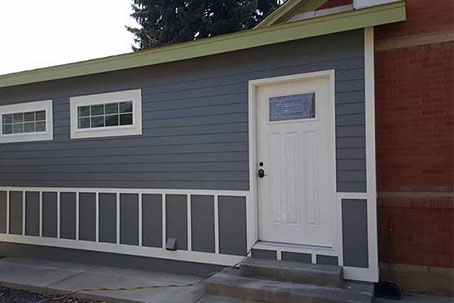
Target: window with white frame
{"points": [[22, 122], [105, 115]]}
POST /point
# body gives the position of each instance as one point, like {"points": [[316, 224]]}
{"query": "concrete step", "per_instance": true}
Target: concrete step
{"points": [[230, 283], [296, 272]]}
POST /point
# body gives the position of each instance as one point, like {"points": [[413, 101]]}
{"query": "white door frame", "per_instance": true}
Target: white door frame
{"points": [[252, 210]]}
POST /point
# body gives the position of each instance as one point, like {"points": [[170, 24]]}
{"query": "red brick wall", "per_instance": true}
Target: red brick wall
{"points": [[423, 16], [414, 121], [414, 112], [422, 231]]}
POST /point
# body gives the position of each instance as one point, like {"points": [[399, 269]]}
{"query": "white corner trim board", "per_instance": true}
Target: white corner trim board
{"points": [[108, 131], [35, 106], [371, 274]]}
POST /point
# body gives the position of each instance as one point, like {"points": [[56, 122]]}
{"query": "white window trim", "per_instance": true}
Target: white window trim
{"points": [[45, 105], [124, 130]]}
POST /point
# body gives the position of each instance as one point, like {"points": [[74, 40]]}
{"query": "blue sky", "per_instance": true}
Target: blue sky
{"points": [[40, 33]]}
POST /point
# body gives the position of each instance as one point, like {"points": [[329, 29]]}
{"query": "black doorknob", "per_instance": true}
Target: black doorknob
{"points": [[261, 173]]}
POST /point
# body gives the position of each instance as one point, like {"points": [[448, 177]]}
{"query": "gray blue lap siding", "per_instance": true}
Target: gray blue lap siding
{"points": [[195, 121]]}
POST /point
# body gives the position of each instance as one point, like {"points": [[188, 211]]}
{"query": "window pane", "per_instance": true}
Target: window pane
{"points": [[292, 107], [126, 107], [97, 121], [40, 126], [7, 118], [84, 122], [18, 117], [41, 116], [112, 120], [105, 115], [7, 129], [18, 128], [126, 119], [28, 117], [29, 127], [111, 108], [97, 110], [83, 111]]}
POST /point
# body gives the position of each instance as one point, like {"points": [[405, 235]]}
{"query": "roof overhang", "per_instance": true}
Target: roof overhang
{"points": [[340, 22]]}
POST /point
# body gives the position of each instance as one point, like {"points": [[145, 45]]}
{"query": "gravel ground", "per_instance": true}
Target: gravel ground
{"points": [[8, 295]]}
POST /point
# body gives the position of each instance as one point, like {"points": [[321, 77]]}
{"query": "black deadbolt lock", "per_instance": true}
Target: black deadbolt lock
{"points": [[261, 173]]}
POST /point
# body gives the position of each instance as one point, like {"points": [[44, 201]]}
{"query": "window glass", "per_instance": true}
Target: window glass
{"points": [[293, 107], [105, 115], [24, 122]]}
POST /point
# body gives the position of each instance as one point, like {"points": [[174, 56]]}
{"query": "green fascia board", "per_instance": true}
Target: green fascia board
{"points": [[290, 9], [345, 21]]}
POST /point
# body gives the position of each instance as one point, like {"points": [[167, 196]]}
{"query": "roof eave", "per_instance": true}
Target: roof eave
{"points": [[340, 22]]}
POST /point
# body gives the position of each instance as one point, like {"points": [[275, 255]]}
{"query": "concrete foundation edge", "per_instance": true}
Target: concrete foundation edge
{"points": [[438, 281], [107, 259]]}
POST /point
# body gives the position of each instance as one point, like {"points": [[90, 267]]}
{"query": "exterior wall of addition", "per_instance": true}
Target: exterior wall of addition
{"points": [[189, 169]]}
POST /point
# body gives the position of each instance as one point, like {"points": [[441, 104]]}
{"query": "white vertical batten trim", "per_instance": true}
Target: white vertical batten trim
{"points": [[140, 220], [252, 202], [58, 214], [370, 153], [23, 212], [117, 205], [337, 212], [77, 215], [216, 224], [97, 216], [40, 213], [7, 212], [278, 254], [314, 258], [164, 232], [189, 221]]}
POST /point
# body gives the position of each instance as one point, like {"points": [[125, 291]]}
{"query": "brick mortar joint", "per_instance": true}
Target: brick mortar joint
{"points": [[414, 268], [416, 194]]}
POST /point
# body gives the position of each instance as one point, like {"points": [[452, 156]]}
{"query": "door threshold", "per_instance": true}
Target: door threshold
{"points": [[267, 245]]}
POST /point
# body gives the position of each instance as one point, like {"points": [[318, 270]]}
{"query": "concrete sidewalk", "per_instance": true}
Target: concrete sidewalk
{"points": [[62, 278]]}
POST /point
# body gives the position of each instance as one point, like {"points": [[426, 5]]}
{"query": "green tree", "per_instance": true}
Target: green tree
{"points": [[164, 22]]}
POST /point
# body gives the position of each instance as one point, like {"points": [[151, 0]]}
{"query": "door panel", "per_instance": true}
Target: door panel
{"points": [[310, 193], [295, 143]]}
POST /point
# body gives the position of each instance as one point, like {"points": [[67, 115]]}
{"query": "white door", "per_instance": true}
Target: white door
{"points": [[295, 152]]}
